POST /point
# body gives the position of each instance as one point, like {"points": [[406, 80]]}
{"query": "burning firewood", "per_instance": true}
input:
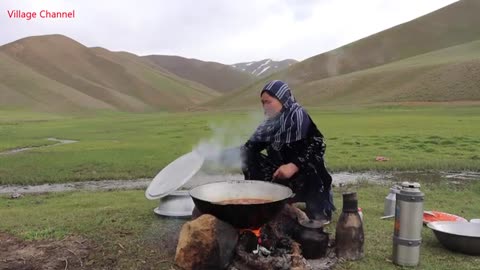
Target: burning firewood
{"points": [[272, 247]]}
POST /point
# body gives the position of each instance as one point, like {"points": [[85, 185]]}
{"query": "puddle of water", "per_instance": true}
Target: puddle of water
{"points": [[343, 178], [463, 176], [61, 141], [18, 150], [77, 186], [435, 177], [199, 179], [339, 179]]}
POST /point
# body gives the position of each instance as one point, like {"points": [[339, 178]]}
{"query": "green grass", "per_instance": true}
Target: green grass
{"points": [[121, 225], [447, 197], [123, 221], [130, 146], [89, 213]]}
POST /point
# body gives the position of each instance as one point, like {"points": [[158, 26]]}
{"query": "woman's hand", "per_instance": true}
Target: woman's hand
{"points": [[285, 171]]}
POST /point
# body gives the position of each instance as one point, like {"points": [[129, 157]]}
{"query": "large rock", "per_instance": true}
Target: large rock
{"points": [[206, 243]]}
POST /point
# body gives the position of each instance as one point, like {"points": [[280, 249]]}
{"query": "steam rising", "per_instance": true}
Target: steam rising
{"points": [[222, 149]]}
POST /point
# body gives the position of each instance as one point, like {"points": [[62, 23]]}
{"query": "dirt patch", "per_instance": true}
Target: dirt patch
{"points": [[69, 253]]}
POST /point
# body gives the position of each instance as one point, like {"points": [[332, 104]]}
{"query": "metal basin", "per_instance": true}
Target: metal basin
{"points": [[461, 237], [176, 204]]}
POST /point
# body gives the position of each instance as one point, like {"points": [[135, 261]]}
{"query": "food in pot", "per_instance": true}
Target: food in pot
{"points": [[245, 201]]}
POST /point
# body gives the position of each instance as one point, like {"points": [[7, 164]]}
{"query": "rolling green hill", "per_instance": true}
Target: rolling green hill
{"points": [[452, 25], [56, 73], [219, 77], [433, 58]]}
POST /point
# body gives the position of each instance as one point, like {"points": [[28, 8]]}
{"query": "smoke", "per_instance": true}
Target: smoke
{"points": [[222, 149]]}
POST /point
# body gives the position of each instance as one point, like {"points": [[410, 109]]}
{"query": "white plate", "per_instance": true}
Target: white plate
{"points": [[174, 175]]}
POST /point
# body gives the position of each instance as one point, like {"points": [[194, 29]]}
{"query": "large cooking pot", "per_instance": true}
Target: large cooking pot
{"points": [[458, 236], [244, 203]]}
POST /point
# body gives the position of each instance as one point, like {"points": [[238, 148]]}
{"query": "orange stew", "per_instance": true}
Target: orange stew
{"points": [[245, 201]]}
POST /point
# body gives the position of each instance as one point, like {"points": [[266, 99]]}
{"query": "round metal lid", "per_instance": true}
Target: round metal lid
{"points": [[410, 185], [174, 175]]}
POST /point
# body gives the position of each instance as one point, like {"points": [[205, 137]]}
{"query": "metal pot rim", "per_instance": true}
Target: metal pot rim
{"points": [[435, 227], [288, 192]]}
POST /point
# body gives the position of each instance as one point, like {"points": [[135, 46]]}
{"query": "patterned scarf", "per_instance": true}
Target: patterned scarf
{"points": [[290, 125]]}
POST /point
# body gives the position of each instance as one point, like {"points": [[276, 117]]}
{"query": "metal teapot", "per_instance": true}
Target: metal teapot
{"points": [[312, 238]]}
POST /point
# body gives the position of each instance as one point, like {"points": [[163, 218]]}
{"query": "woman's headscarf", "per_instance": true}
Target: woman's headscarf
{"points": [[290, 125]]}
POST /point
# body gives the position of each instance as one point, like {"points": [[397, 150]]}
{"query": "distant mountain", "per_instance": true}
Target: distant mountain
{"points": [[56, 73], [264, 67], [435, 57], [216, 76]]}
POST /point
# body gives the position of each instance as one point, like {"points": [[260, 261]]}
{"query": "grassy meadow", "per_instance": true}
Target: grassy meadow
{"points": [[127, 234], [115, 145], [130, 236]]}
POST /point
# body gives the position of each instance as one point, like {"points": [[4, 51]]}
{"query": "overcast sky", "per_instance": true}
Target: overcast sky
{"points": [[225, 31]]}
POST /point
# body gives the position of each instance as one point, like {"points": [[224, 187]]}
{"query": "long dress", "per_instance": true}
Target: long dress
{"points": [[311, 184]]}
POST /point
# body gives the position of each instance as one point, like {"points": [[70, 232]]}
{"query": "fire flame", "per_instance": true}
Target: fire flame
{"points": [[257, 233]]}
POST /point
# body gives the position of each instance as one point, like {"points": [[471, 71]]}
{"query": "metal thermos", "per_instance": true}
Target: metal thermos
{"points": [[349, 237], [390, 200], [408, 225]]}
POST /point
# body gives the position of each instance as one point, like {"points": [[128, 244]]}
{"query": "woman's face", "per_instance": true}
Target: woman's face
{"points": [[271, 106]]}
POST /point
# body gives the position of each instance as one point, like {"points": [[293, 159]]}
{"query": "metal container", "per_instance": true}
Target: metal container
{"points": [[166, 184], [213, 199], [312, 239], [390, 201], [408, 225], [456, 236], [177, 204], [349, 236]]}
